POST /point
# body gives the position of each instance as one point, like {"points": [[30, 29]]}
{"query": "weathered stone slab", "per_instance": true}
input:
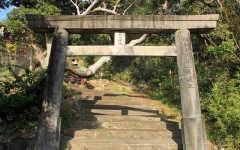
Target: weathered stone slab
{"points": [[79, 143], [129, 112], [127, 133], [158, 125], [91, 117], [163, 24], [121, 51]]}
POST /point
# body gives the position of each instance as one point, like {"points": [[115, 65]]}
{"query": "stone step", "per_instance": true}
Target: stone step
{"points": [[93, 92], [114, 107], [129, 112], [76, 86], [91, 117], [119, 144], [162, 126], [123, 133], [110, 102], [78, 89], [112, 121], [104, 97]]}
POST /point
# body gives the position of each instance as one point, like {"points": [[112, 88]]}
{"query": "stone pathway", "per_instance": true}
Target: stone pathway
{"points": [[111, 121]]}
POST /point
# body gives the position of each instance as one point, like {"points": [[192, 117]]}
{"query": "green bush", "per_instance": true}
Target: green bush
{"points": [[222, 112], [20, 99], [69, 108], [65, 91]]}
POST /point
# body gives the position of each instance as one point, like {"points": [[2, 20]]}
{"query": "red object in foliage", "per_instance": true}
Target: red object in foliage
{"points": [[81, 80]]}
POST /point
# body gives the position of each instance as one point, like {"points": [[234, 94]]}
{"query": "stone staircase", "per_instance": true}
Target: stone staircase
{"points": [[111, 121]]}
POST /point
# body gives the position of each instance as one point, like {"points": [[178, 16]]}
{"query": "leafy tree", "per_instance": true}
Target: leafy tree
{"points": [[4, 4], [24, 37]]}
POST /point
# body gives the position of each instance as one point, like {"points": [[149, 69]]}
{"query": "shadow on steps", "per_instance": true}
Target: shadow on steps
{"points": [[120, 127]]}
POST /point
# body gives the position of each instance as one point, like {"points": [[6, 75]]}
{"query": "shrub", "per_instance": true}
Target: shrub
{"points": [[69, 108], [222, 112], [20, 99]]}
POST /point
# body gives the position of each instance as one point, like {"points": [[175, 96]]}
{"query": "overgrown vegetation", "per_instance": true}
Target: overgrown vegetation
{"points": [[20, 99], [221, 108], [69, 109]]}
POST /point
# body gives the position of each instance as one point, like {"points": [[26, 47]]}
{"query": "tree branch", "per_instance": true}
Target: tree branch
{"points": [[127, 9], [138, 41], [219, 3], [90, 7], [105, 10], [233, 36], [114, 8], [76, 6], [99, 64], [208, 38]]}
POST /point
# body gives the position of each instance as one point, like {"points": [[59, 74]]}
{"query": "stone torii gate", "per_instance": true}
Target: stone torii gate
{"points": [[193, 128]]}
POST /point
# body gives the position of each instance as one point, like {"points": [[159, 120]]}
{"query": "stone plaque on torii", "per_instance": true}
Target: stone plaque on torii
{"points": [[193, 127]]}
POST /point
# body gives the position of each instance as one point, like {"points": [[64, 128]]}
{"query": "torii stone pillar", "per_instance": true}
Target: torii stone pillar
{"points": [[193, 128], [49, 122]]}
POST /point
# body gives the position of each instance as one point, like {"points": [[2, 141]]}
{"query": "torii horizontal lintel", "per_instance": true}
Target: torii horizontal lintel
{"points": [[143, 24], [121, 51]]}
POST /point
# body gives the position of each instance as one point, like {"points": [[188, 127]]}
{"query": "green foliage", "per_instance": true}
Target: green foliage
{"points": [[18, 26], [20, 100], [218, 78], [2, 23], [154, 76], [4, 4], [75, 39], [65, 91], [12, 48], [97, 39], [68, 113], [47, 9], [225, 49], [68, 109], [222, 112]]}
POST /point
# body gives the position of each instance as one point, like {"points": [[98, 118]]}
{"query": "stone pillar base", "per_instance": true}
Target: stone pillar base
{"points": [[49, 136], [193, 133]]}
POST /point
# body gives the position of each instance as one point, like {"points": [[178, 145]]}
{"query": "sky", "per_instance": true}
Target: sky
{"points": [[3, 13]]}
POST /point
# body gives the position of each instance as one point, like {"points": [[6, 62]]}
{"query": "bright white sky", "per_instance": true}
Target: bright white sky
{"points": [[3, 12]]}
